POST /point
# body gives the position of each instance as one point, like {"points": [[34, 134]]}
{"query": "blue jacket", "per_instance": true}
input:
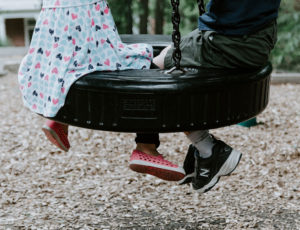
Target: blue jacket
{"points": [[238, 17]]}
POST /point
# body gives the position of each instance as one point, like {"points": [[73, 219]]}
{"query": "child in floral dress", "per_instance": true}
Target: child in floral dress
{"points": [[73, 38]]}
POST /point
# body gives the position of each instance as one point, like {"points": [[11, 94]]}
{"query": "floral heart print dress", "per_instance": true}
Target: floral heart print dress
{"points": [[71, 39]]}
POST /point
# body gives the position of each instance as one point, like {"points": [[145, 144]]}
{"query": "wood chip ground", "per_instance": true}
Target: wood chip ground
{"points": [[92, 187]]}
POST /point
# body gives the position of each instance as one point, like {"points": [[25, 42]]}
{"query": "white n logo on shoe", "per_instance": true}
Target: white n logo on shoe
{"points": [[204, 172]]}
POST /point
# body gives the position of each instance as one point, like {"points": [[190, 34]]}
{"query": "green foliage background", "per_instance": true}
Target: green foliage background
{"points": [[286, 54]]}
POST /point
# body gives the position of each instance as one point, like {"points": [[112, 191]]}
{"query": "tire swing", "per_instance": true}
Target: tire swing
{"points": [[154, 100]]}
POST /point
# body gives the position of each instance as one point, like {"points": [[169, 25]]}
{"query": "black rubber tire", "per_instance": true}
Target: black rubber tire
{"points": [[152, 101]]}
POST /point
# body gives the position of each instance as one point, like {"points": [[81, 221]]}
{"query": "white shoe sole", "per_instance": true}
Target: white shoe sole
{"points": [[186, 179], [144, 163], [160, 171], [227, 168]]}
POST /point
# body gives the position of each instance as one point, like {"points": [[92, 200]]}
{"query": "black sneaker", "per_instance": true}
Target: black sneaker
{"points": [[189, 166], [222, 162]]}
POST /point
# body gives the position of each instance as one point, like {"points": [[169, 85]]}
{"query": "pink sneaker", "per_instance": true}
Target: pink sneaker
{"points": [[55, 133], [156, 166]]}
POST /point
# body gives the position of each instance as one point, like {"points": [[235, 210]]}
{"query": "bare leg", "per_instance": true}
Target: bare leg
{"points": [[147, 148], [160, 59], [147, 143]]}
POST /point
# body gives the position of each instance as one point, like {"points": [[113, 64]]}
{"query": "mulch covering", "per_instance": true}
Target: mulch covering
{"points": [[92, 187]]}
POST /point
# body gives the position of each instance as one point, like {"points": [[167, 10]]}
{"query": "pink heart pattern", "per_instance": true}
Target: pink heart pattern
{"points": [[55, 70], [55, 101], [38, 65], [71, 50], [74, 16], [107, 62], [31, 50], [47, 52]]}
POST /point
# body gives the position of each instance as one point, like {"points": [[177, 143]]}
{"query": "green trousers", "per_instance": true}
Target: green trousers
{"points": [[212, 50]]}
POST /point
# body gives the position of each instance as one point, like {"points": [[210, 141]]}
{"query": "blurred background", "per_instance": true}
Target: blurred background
{"points": [[17, 20]]}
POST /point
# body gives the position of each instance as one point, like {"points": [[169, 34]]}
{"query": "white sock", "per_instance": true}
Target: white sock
{"points": [[202, 141]]}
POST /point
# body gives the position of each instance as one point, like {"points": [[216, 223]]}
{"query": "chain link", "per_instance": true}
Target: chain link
{"points": [[201, 6], [176, 37]]}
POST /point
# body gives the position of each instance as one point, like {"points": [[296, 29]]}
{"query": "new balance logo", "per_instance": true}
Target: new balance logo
{"points": [[204, 172]]}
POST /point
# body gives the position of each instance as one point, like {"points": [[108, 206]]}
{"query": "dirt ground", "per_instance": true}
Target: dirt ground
{"points": [[92, 187]]}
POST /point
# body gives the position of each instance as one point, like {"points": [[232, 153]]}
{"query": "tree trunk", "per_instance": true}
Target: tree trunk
{"points": [[297, 5], [129, 18], [144, 13], [122, 14], [159, 16]]}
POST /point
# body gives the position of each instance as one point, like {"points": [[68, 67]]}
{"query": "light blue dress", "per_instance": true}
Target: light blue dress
{"points": [[71, 39]]}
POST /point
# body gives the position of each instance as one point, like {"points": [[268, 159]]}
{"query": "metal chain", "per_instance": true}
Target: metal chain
{"points": [[201, 6], [176, 37]]}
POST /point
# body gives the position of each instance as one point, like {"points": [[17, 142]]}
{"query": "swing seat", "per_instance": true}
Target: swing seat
{"points": [[153, 101]]}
